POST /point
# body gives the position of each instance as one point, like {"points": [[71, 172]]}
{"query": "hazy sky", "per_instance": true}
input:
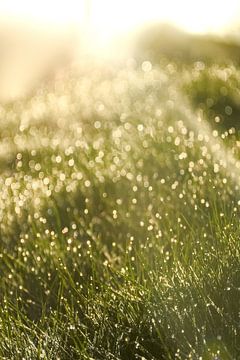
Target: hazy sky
{"points": [[111, 17], [107, 19]]}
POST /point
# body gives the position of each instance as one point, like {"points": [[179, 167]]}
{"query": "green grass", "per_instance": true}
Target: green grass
{"points": [[119, 209]]}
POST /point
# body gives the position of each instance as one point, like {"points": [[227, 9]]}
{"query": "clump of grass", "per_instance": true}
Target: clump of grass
{"points": [[214, 89]]}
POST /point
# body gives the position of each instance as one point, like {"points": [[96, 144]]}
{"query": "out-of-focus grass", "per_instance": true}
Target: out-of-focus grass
{"points": [[119, 209], [215, 90], [161, 42]]}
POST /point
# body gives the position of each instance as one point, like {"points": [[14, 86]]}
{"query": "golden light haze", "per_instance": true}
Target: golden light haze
{"points": [[39, 35], [108, 18]]}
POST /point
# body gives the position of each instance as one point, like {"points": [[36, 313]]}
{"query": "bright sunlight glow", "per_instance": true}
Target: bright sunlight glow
{"points": [[108, 18]]}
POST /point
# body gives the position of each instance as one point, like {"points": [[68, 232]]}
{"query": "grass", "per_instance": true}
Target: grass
{"points": [[120, 217]]}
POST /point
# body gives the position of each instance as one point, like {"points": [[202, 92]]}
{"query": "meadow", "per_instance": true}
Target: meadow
{"points": [[119, 209]]}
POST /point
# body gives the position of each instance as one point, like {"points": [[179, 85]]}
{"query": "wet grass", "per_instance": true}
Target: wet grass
{"points": [[119, 209]]}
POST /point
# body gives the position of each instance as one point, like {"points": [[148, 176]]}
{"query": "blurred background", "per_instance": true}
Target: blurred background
{"points": [[40, 38]]}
